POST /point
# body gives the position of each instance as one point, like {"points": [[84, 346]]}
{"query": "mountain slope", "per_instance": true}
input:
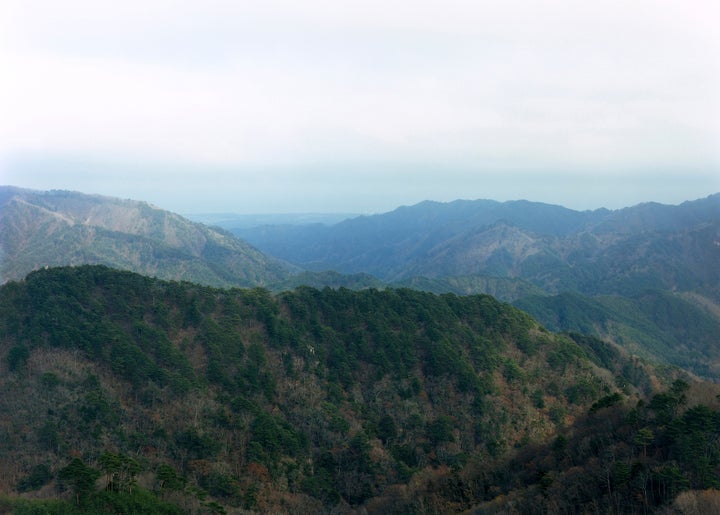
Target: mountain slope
{"points": [[39, 229], [311, 401], [658, 325]]}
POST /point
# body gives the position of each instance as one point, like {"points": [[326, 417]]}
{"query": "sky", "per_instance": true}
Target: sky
{"points": [[279, 106]]}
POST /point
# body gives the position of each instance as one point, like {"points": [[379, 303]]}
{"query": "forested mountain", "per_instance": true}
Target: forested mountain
{"points": [[661, 326], [122, 393], [39, 229], [556, 249]]}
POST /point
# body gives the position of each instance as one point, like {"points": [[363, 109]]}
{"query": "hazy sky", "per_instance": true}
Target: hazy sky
{"points": [[361, 106]]}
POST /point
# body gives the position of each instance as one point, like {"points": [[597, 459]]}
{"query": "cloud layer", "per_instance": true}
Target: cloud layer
{"points": [[345, 88]]}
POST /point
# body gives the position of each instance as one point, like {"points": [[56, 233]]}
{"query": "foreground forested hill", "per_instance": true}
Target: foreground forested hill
{"points": [[119, 392]]}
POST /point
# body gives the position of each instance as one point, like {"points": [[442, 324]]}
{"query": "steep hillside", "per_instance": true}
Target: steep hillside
{"points": [[311, 401], [39, 229], [661, 326], [656, 457]]}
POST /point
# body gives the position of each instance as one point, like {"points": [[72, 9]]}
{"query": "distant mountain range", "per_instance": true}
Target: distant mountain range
{"points": [[554, 248], [55, 228]]}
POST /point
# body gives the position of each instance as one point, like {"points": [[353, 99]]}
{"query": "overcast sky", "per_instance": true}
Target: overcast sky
{"points": [[361, 106]]}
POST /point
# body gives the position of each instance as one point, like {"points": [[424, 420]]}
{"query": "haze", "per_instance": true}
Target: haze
{"points": [[279, 106]]}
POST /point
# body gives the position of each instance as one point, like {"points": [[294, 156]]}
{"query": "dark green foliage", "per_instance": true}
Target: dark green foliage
{"points": [[93, 502], [393, 329], [598, 351], [511, 371], [584, 390], [139, 501], [168, 479], [69, 308], [441, 430], [38, 477], [354, 474], [606, 402], [197, 445], [47, 435], [666, 404], [386, 430], [538, 399], [564, 354], [271, 438], [328, 396], [38, 507], [119, 470], [49, 380], [694, 436], [95, 407], [80, 477], [17, 358], [218, 485], [610, 463]]}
